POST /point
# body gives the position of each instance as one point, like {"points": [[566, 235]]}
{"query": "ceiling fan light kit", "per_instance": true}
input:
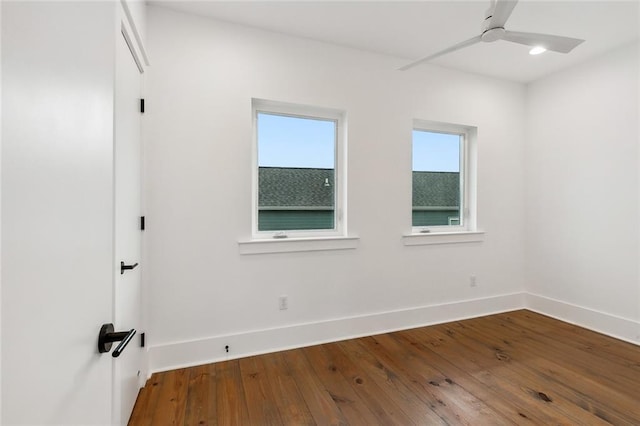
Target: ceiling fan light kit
{"points": [[537, 50], [493, 29]]}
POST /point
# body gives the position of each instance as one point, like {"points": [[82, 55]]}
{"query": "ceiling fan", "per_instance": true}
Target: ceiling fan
{"points": [[493, 30]]}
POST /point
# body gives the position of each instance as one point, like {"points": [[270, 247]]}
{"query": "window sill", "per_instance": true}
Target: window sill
{"points": [[289, 245], [443, 238]]}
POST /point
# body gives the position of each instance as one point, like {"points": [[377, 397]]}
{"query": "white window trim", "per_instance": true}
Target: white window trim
{"points": [[290, 245], [443, 238], [294, 237], [468, 156]]}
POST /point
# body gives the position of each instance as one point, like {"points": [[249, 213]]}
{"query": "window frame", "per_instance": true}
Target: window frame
{"points": [[468, 136], [305, 112]]}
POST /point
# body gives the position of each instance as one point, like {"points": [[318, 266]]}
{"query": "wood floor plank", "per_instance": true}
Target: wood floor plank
{"points": [[446, 397], [290, 402], [513, 368], [603, 402], [200, 391], [569, 383], [172, 399], [352, 407], [618, 377], [600, 345], [457, 366], [260, 401], [539, 387], [488, 370], [461, 366], [319, 401], [385, 409], [391, 383], [146, 402], [231, 402]]}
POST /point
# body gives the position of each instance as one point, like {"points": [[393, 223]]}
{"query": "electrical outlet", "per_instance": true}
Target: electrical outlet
{"points": [[283, 303], [472, 281]]}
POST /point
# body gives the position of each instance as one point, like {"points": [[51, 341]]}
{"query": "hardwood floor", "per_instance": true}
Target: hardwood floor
{"points": [[513, 368]]}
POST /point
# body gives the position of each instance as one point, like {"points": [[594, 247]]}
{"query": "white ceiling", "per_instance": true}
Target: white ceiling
{"points": [[414, 29]]}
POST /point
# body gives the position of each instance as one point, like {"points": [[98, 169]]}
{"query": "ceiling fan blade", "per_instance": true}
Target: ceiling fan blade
{"points": [[549, 42], [453, 48], [501, 13]]}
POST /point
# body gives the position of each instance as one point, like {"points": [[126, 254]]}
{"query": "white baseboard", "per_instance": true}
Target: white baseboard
{"points": [[196, 352], [621, 328], [185, 354]]}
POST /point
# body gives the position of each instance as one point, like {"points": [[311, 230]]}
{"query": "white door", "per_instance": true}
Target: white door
{"points": [[128, 377], [57, 211]]}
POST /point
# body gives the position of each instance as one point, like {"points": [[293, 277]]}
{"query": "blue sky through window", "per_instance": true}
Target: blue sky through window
{"points": [[285, 141], [435, 152], [295, 142]]}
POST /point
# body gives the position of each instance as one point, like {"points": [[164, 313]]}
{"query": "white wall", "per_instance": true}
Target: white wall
{"points": [[198, 161], [582, 194]]}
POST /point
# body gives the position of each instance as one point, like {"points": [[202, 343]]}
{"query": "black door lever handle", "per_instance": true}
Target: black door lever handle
{"points": [[124, 267], [107, 336], [123, 344]]}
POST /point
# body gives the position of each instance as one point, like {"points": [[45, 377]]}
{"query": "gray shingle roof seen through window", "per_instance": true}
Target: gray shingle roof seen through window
{"points": [[307, 188], [436, 189], [295, 187]]}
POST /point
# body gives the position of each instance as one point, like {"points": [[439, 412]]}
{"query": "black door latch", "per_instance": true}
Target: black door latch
{"points": [[124, 267]]}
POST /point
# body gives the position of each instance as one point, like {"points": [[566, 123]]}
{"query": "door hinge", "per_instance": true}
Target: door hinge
{"points": [[142, 223], [142, 336], [142, 105]]}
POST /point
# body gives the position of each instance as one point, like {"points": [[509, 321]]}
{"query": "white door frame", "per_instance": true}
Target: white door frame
{"points": [[129, 372]]}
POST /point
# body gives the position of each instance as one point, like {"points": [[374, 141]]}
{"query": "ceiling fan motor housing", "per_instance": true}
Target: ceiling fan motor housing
{"points": [[493, 34]]}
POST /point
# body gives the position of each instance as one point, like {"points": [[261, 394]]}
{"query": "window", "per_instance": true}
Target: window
{"points": [[298, 176], [441, 184]]}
